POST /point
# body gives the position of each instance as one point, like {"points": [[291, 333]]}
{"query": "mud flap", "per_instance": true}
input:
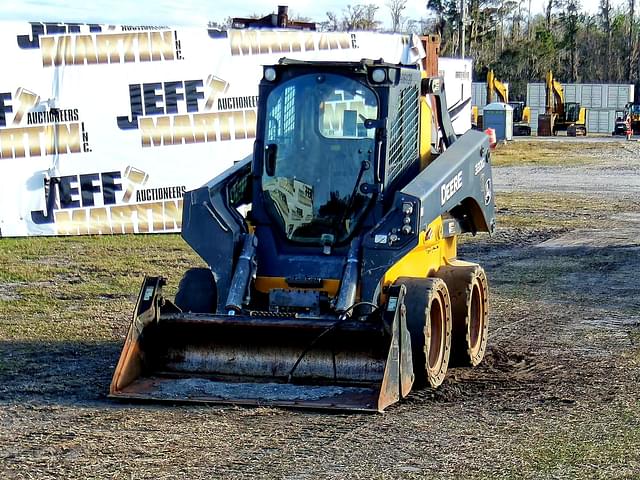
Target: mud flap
{"points": [[251, 360]]}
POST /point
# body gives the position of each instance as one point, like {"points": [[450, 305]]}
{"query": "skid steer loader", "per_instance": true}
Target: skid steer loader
{"points": [[340, 289]]}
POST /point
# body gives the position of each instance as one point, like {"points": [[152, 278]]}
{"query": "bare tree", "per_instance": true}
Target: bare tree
{"points": [[332, 23], [547, 12], [356, 17], [360, 17], [630, 49], [605, 18], [395, 9]]}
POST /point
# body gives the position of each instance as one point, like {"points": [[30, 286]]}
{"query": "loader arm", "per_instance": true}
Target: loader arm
{"points": [[434, 86], [555, 95], [465, 168], [212, 226], [496, 88], [458, 184]]}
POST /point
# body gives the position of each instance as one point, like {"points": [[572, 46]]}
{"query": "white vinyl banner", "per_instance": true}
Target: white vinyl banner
{"points": [[457, 80], [103, 128]]}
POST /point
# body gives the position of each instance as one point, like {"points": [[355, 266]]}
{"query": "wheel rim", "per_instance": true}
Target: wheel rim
{"points": [[476, 320], [436, 340]]}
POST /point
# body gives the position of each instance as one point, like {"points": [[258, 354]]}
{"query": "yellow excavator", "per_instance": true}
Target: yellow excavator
{"points": [[496, 90], [341, 288], [521, 118], [499, 92], [561, 115]]}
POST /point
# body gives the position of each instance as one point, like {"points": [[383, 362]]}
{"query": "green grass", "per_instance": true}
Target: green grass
{"points": [[76, 288]]}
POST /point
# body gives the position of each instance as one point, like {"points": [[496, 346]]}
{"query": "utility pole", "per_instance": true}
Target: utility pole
{"points": [[461, 33], [629, 66]]}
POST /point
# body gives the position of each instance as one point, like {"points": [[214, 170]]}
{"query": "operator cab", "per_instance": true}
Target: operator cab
{"points": [[571, 111], [518, 110], [319, 156], [334, 142]]}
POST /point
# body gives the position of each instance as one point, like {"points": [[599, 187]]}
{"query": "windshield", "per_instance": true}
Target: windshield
{"points": [[517, 111], [321, 154], [572, 111]]}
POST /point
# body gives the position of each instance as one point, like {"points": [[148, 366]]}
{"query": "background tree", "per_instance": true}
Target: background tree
{"points": [[332, 23], [519, 46], [396, 7], [360, 17], [570, 21], [631, 54], [605, 19]]}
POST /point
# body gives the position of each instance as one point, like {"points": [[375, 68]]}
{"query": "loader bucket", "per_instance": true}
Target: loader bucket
{"points": [[270, 360]]}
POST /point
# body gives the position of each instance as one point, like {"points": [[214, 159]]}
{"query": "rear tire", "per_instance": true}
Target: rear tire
{"points": [[197, 291], [469, 292], [429, 323]]}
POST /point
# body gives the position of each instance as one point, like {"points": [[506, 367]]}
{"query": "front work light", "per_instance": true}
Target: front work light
{"points": [[379, 75], [270, 74]]}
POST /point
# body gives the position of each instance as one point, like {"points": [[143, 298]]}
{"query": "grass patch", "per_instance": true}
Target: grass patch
{"points": [[84, 288], [555, 210], [589, 449], [81, 288], [548, 153], [633, 354]]}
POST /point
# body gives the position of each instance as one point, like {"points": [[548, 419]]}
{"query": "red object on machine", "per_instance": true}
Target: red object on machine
{"points": [[492, 137]]}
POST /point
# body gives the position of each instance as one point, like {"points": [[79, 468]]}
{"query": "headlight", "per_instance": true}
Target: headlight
{"points": [[270, 74], [379, 75]]}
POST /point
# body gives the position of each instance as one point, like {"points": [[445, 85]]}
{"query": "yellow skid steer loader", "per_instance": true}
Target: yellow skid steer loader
{"points": [[341, 286]]}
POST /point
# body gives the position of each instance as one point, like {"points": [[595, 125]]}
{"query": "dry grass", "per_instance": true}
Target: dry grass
{"points": [[545, 153], [557, 210]]}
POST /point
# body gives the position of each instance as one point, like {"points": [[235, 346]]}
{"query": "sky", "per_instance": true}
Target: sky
{"points": [[198, 12]]}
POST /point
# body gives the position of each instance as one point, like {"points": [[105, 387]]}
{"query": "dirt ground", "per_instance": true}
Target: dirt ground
{"points": [[558, 395]]}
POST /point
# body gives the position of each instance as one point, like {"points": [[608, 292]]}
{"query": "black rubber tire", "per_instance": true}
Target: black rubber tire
{"points": [[197, 291], [469, 290], [429, 322]]}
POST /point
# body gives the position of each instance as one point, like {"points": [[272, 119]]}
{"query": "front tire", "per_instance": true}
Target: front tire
{"points": [[429, 323]]}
